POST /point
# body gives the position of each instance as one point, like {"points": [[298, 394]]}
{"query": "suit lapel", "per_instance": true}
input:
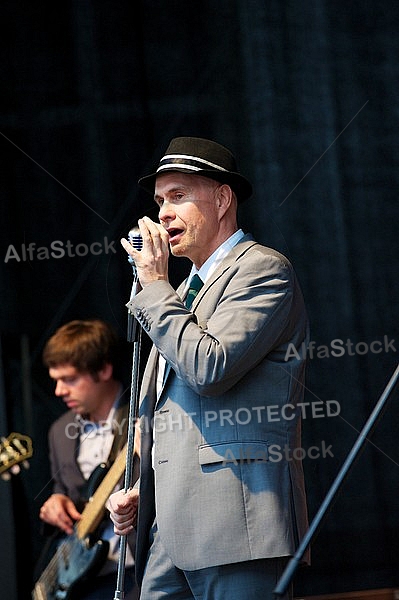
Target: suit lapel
{"points": [[243, 245], [240, 248]]}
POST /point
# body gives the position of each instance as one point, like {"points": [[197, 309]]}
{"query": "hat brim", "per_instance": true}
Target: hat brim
{"points": [[239, 184]]}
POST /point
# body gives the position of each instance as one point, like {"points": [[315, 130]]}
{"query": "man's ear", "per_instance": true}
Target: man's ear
{"points": [[106, 373], [224, 198]]}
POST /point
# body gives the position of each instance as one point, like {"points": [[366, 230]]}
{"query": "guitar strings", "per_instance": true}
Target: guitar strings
{"points": [[51, 570]]}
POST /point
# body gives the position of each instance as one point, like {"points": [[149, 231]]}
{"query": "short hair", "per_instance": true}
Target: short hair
{"points": [[87, 345]]}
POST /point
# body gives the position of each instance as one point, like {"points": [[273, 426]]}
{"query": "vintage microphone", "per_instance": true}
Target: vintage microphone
{"points": [[136, 241], [134, 336]]}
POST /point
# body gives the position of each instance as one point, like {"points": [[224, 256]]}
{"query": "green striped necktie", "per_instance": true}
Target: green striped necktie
{"points": [[196, 284]]}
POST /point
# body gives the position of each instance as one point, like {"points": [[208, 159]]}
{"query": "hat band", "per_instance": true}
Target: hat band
{"points": [[190, 163]]}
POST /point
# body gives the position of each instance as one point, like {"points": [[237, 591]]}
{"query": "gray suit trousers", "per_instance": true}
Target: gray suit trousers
{"points": [[249, 580]]}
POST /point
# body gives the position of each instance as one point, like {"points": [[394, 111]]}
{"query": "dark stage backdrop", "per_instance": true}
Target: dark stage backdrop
{"points": [[306, 94]]}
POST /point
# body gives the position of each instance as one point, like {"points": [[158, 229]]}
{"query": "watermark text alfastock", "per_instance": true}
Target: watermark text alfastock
{"points": [[274, 453], [57, 249], [338, 348]]}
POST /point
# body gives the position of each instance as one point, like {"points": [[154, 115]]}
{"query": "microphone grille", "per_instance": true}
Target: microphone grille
{"points": [[135, 238]]}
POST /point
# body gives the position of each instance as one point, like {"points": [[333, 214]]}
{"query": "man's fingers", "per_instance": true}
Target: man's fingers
{"points": [[122, 502], [122, 520], [122, 508], [158, 233], [123, 531], [129, 248]]}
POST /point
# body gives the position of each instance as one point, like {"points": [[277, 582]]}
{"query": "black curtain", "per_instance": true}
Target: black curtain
{"points": [[306, 94]]}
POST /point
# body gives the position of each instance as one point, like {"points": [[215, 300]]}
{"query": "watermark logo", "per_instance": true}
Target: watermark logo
{"points": [[275, 453], [88, 429], [338, 348], [57, 249], [164, 420]]}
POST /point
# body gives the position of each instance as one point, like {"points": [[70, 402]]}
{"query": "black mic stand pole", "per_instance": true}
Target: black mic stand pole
{"points": [[134, 336], [294, 562]]}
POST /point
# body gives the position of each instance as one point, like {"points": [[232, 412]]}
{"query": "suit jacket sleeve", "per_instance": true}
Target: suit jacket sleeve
{"points": [[251, 307]]}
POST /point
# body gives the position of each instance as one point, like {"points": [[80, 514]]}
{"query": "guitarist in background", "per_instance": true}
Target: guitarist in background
{"points": [[82, 357]]}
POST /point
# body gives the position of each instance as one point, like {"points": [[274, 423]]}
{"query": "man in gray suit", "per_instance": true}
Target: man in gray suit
{"points": [[221, 504]]}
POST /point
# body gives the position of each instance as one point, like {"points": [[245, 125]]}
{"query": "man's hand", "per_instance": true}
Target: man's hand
{"points": [[60, 511], [152, 261], [122, 508]]}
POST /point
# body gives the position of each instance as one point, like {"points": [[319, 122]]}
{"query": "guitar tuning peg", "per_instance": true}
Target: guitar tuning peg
{"points": [[15, 469], [6, 476], [25, 464]]}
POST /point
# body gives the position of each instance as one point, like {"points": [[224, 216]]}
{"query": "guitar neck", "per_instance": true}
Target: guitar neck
{"points": [[95, 508]]}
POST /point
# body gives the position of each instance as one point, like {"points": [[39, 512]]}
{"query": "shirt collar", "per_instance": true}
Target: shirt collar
{"points": [[216, 258]]}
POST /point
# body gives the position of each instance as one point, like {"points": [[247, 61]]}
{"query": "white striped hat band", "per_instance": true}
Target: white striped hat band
{"points": [[191, 163]]}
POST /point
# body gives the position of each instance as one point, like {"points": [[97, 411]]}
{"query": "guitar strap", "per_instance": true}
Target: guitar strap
{"points": [[120, 439], [120, 432]]}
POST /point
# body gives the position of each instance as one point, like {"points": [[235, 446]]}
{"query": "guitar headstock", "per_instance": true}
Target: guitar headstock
{"points": [[14, 451]]}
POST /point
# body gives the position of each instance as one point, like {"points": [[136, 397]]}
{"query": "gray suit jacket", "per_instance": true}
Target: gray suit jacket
{"points": [[223, 487]]}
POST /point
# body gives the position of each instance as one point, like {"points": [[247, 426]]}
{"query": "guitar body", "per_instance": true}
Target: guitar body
{"points": [[81, 555], [74, 561]]}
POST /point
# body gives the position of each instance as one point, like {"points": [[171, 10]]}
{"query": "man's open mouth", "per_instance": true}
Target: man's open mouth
{"points": [[174, 234]]}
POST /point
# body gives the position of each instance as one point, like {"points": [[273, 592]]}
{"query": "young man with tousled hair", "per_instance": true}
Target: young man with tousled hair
{"points": [[83, 358]]}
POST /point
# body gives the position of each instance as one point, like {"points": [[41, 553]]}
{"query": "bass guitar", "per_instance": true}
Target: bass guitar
{"points": [[79, 556], [15, 449]]}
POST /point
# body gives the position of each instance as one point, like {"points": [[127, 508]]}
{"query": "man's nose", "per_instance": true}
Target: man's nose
{"points": [[166, 212], [60, 388]]}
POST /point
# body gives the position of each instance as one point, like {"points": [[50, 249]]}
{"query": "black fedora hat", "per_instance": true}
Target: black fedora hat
{"points": [[198, 156]]}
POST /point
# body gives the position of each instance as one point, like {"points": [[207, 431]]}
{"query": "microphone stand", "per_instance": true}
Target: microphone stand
{"points": [[133, 336], [294, 562]]}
